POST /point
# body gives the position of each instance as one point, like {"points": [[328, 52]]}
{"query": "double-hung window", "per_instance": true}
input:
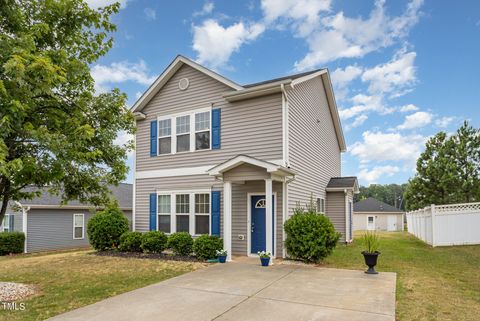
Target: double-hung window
{"points": [[183, 133], [165, 136], [202, 213], [182, 211], [6, 222], [202, 130], [164, 213], [78, 226], [321, 205]]}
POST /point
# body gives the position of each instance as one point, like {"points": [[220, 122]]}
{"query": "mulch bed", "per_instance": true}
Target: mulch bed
{"points": [[155, 256]]}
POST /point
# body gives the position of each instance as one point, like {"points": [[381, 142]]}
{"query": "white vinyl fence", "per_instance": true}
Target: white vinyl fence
{"points": [[443, 225]]}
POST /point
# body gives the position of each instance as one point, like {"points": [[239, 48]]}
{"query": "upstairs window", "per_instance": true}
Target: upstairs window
{"points": [[202, 130], [165, 136], [183, 133]]}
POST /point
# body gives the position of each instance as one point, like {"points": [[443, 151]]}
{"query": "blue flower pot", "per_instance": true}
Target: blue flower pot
{"points": [[222, 258], [265, 261]]}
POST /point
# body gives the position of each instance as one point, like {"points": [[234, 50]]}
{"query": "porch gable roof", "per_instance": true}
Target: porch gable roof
{"points": [[238, 160]]}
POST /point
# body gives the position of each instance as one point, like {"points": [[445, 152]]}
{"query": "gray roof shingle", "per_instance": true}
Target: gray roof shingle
{"points": [[373, 205], [123, 193], [292, 77], [342, 182]]}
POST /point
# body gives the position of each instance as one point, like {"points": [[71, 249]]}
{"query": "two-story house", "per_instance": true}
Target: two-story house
{"points": [[215, 157]]}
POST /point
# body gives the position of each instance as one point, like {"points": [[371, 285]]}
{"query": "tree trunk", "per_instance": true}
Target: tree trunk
{"points": [[3, 209]]}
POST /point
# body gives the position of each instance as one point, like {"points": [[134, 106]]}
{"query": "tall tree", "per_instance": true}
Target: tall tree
{"points": [[55, 130], [448, 171]]}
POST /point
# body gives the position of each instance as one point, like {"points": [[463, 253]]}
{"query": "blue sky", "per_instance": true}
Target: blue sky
{"points": [[402, 71]]}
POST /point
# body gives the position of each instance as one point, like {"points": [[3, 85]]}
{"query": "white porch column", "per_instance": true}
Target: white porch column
{"points": [[268, 216], [227, 219]]}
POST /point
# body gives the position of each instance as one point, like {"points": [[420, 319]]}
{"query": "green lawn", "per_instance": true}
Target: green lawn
{"points": [[440, 283], [73, 279]]}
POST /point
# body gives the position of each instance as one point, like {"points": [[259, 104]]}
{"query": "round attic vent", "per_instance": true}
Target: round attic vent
{"points": [[183, 83]]}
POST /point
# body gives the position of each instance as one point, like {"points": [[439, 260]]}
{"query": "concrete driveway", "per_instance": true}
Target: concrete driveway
{"points": [[242, 291]]}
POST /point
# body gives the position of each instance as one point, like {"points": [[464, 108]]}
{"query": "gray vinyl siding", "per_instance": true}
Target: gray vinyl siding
{"points": [[52, 229], [314, 152], [17, 219], [336, 211], [252, 127], [239, 204]]}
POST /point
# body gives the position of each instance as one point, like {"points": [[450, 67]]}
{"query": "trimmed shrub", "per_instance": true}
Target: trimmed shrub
{"points": [[131, 242], [205, 247], [11, 242], [181, 243], [105, 228], [310, 236], [154, 242]]}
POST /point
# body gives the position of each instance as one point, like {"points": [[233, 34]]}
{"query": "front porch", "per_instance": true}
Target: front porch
{"points": [[254, 205]]}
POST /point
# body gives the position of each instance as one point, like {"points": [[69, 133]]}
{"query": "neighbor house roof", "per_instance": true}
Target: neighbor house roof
{"points": [[123, 193], [238, 92], [375, 206], [341, 183]]}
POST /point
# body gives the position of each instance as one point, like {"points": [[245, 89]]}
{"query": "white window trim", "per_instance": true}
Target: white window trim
{"points": [[209, 214], [322, 202], [165, 136], [195, 131], [158, 214], [83, 226], [191, 214], [173, 131]]}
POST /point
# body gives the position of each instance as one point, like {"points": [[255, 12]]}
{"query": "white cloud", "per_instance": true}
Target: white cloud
{"points": [[416, 120], [355, 37], [408, 108], [122, 139], [150, 13], [365, 104], [342, 77], [444, 121], [215, 44], [302, 14], [119, 72], [379, 147], [372, 176], [206, 9], [95, 4], [357, 122], [392, 76]]}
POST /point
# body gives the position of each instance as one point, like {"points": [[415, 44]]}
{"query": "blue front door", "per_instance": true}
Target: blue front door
{"points": [[257, 228]]}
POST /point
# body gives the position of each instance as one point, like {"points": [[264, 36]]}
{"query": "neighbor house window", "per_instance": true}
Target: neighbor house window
{"points": [[164, 213], [78, 226], [202, 213], [321, 205], [165, 136], [183, 133], [7, 222], [182, 211], [202, 130]]}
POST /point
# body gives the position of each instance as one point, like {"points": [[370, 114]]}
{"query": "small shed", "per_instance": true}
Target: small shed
{"points": [[373, 215]]}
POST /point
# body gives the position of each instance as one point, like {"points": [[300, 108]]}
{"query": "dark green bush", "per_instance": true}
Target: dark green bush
{"points": [[131, 242], [181, 243], [154, 242], [310, 236], [205, 247], [105, 228], [11, 242]]}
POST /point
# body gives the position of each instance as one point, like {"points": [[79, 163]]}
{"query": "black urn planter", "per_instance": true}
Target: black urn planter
{"points": [[371, 261]]}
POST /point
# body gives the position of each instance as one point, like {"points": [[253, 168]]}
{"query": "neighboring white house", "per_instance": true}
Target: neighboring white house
{"points": [[373, 215]]}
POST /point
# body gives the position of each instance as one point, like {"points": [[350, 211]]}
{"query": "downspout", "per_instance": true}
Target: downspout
{"points": [[286, 162]]}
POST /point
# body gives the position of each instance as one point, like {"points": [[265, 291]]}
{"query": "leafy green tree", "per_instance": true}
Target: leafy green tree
{"points": [[55, 130], [391, 194], [448, 171]]}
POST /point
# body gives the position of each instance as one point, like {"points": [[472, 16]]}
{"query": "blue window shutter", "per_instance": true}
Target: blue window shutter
{"points": [[216, 213], [11, 223], [153, 138], [216, 128], [153, 212]]}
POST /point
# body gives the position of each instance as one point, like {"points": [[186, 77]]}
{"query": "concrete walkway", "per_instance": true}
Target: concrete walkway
{"points": [[242, 291]]}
